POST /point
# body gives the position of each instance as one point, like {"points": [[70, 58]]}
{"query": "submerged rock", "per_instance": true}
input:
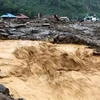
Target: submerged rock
{"points": [[5, 94], [4, 90], [4, 97]]}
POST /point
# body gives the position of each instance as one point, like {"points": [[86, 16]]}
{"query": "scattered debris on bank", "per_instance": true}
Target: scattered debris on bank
{"points": [[51, 29]]}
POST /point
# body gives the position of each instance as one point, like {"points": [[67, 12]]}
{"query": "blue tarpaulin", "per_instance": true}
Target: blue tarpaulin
{"points": [[8, 15]]}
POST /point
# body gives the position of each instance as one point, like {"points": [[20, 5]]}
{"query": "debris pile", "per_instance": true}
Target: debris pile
{"points": [[56, 32]]}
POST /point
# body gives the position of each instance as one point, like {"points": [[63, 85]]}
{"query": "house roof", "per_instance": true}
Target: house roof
{"points": [[64, 17], [8, 15], [22, 16]]}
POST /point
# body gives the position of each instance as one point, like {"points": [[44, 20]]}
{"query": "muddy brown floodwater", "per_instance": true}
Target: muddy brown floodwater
{"points": [[38, 70]]}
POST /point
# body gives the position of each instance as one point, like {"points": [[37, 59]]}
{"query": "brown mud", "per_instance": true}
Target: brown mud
{"points": [[38, 70]]}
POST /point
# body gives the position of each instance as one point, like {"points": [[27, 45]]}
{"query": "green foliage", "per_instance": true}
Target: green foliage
{"points": [[71, 8]]}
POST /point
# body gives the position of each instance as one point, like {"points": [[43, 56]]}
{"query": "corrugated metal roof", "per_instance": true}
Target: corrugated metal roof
{"points": [[8, 15], [22, 16]]}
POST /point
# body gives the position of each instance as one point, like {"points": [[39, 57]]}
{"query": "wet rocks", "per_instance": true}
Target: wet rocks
{"points": [[3, 33], [78, 33], [68, 38], [18, 26], [34, 31], [5, 94], [4, 97], [2, 30], [4, 90]]}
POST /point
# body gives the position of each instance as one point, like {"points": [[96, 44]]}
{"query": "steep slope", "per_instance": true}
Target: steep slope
{"points": [[71, 8]]}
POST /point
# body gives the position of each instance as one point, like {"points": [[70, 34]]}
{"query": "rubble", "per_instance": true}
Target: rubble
{"points": [[59, 32]]}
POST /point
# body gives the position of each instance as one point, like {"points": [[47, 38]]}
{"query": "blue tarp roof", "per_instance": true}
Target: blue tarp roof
{"points": [[8, 15]]}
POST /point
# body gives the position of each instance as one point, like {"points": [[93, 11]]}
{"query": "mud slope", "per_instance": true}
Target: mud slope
{"points": [[44, 71]]}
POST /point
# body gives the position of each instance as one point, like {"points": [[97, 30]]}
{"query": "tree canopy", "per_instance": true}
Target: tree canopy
{"points": [[71, 8]]}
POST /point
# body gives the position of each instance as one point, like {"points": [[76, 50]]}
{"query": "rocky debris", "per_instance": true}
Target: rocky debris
{"points": [[20, 26], [96, 53], [4, 90], [4, 97], [58, 32], [68, 38], [74, 39], [78, 34], [5, 94], [34, 31], [3, 33], [2, 30], [45, 24]]}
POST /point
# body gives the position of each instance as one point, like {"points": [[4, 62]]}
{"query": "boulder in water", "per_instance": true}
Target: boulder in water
{"points": [[4, 90]]}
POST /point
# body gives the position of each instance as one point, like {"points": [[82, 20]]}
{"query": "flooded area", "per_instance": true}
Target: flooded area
{"points": [[45, 71]]}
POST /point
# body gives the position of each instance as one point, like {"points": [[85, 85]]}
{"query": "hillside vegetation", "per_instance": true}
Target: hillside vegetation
{"points": [[71, 8]]}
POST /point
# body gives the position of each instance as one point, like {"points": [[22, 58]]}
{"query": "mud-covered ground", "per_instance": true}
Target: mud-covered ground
{"points": [[55, 32]]}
